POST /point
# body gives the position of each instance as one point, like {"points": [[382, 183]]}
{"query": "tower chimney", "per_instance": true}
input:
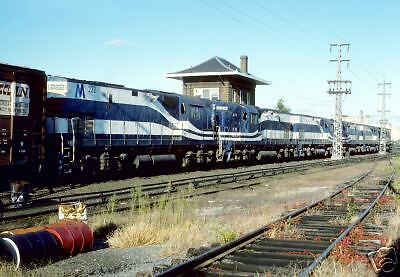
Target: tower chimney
{"points": [[243, 63]]}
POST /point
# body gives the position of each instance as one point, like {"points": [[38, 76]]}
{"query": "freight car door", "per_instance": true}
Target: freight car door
{"points": [[4, 139], [19, 122], [5, 123]]}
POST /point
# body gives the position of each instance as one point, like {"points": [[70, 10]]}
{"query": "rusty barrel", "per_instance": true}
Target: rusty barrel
{"points": [[21, 231], [65, 239], [80, 233], [34, 247]]}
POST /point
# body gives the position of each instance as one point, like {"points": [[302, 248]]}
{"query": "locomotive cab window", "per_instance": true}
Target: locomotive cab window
{"points": [[195, 112], [170, 102], [244, 115], [183, 108], [253, 118]]}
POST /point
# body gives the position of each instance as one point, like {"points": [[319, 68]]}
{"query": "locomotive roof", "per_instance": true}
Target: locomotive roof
{"points": [[324, 118], [96, 83], [192, 100], [6, 66], [215, 66], [199, 101]]}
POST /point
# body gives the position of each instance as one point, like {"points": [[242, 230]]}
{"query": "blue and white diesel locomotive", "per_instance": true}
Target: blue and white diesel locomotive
{"points": [[97, 126], [55, 125]]}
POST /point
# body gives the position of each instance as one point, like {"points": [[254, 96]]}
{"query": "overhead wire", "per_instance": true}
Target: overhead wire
{"points": [[363, 98], [328, 30], [235, 18], [264, 24], [288, 22]]}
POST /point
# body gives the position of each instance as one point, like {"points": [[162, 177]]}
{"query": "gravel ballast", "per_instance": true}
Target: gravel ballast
{"points": [[107, 262]]}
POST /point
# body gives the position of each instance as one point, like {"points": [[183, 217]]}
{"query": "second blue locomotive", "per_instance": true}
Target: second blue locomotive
{"points": [[96, 126]]}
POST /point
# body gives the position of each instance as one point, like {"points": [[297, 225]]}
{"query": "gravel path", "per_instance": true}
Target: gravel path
{"points": [[126, 183], [107, 262]]}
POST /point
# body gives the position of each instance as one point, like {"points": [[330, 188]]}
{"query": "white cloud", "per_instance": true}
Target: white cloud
{"points": [[117, 42]]}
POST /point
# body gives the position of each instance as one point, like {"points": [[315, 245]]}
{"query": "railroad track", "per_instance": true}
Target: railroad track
{"points": [[47, 205], [271, 250]]}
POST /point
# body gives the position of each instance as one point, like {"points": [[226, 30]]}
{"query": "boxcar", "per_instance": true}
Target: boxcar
{"points": [[22, 117]]}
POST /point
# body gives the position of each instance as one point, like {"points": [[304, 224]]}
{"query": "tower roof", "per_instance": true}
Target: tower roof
{"points": [[215, 66]]}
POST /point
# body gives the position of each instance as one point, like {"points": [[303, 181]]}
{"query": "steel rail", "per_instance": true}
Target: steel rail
{"points": [[217, 178], [40, 207], [165, 186], [152, 189], [217, 253], [307, 271]]}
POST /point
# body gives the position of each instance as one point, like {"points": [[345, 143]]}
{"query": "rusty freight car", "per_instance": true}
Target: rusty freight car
{"points": [[22, 122]]}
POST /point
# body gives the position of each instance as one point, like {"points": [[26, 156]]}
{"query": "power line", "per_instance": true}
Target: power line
{"points": [[365, 69], [355, 58], [288, 22], [314, 22], [260, 32], [264, 24], [363, 98]]}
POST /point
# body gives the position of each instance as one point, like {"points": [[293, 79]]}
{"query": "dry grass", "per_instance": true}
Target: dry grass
{"points": [[181, 225], [286, 229], [184, 223], [331, 267], [393, 230], [8, 269]]}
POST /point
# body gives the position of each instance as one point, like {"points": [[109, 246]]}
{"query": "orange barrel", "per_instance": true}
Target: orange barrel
{"points": [[83, 228], [87, 234], [79, 237], [29, 248], [76, 233], [64, 237], [21, 231]]}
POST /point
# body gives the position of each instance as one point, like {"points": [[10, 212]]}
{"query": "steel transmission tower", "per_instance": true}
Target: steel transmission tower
{"points": [[383, 121], [338, 87]]}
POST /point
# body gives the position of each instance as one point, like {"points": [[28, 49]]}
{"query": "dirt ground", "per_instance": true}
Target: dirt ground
{"points": [[287, 191], [129, 182], [276, 195]]}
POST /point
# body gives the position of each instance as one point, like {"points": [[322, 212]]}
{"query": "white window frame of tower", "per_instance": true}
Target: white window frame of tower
{"points": [[211, 93], [234, 97]]}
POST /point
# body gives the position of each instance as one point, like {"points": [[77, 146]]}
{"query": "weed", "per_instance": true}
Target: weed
{"points": [[332, 267], [111, 204], [8, 269], [286, 229], [135, 195], [225, 236], [351, 209]]}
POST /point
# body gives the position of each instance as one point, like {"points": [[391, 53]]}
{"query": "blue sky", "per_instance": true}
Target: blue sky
{"points": [[136, 42]]}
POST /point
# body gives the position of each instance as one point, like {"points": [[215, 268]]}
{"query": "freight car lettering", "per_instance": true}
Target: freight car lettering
{"points": [[22, 91], [14, 99], [5, 88], [80, 91], [57, 87], [5, 107]]}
